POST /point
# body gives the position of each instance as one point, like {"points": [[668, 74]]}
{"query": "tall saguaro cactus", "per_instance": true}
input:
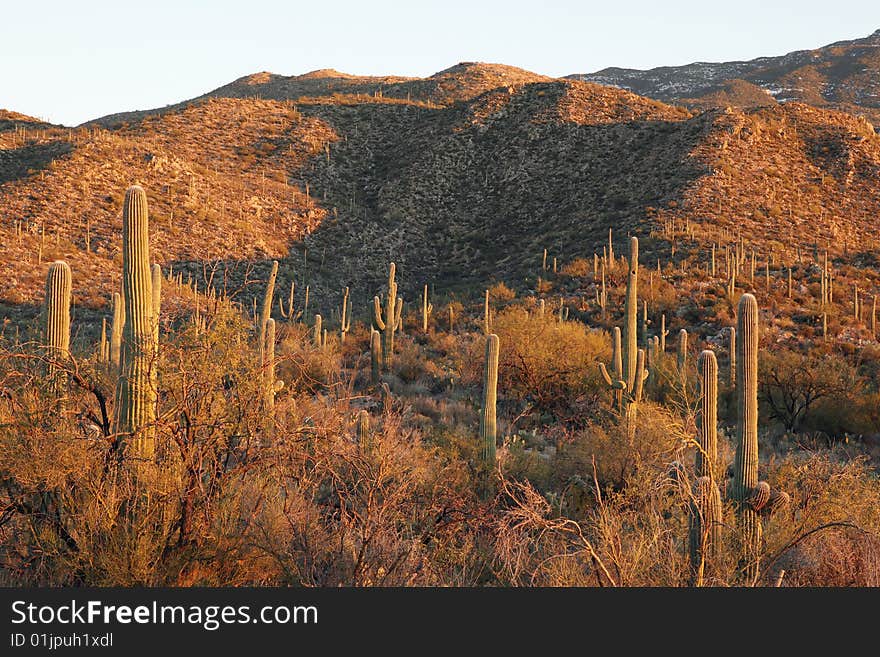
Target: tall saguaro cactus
{"points": [[490, 390], [630, 376], [745, 465], [390, 322], [57, 318], [708, 417], [136, 389]]}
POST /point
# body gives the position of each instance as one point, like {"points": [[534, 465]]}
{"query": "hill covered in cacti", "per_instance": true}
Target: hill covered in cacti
{"points": [[463, 187], [497, 330]]}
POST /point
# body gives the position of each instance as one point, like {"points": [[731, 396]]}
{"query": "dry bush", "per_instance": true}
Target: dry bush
{"points": [[545, 366]]}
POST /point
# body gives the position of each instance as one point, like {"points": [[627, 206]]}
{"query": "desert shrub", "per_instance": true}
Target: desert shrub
{"points": [[501, 292], [830, 534], [544, 365], [793, 385], [578, 268]]}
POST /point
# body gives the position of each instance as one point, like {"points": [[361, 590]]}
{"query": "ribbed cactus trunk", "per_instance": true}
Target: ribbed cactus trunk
{"points": [[391, 320], [345, 321], [708, 416], [266, 310], [682, 351], [269, 368], [486, 324], [426, 309], [631, 310], [704, 529], [116, 332], [617, 367], [490, 389], [732, 352], [375, 356], [318, 331], [745, 465], [643, 326], [363, 431], [57, 318], [663, 333], [104, 348], [136, 393], [156, 284]]}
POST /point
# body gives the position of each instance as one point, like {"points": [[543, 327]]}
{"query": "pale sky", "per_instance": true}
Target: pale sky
{"points": [[69, 61]]}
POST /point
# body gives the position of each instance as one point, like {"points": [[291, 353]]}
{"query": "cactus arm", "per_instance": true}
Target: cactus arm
{"points": [[377, 314]]}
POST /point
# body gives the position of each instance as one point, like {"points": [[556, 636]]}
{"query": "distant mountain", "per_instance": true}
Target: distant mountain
{"points": [[844, 75]]}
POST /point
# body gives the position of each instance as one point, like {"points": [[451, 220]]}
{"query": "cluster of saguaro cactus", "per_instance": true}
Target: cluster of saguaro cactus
{"points": [[136, 394], [629, 378], [389, 321], [488, 431]]}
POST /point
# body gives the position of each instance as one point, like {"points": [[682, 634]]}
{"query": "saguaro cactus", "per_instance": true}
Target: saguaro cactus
{"points": [[708, 416], [745, 465], [116, 331], [345, 318], [318, 335], [705, 522], [682, 351], [629, 379], [270, 383], [363, 430], [486, 323], [57, 318], [391, 320], [664, 333], [136, 389], [156, 273], [427, 309], [732, 350], [490, 389], [375, 356], [104, 348]]}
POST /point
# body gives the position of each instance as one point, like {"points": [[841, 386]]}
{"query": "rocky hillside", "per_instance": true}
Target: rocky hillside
{"points": [[462, 179], [844, 75]]}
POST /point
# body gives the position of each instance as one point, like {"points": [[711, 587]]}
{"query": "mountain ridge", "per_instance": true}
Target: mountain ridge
{"points": [[843, 75]]}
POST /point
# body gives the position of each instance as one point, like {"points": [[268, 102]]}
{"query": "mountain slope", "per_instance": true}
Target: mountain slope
{"points": [[844, 75], [457, 194]]}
